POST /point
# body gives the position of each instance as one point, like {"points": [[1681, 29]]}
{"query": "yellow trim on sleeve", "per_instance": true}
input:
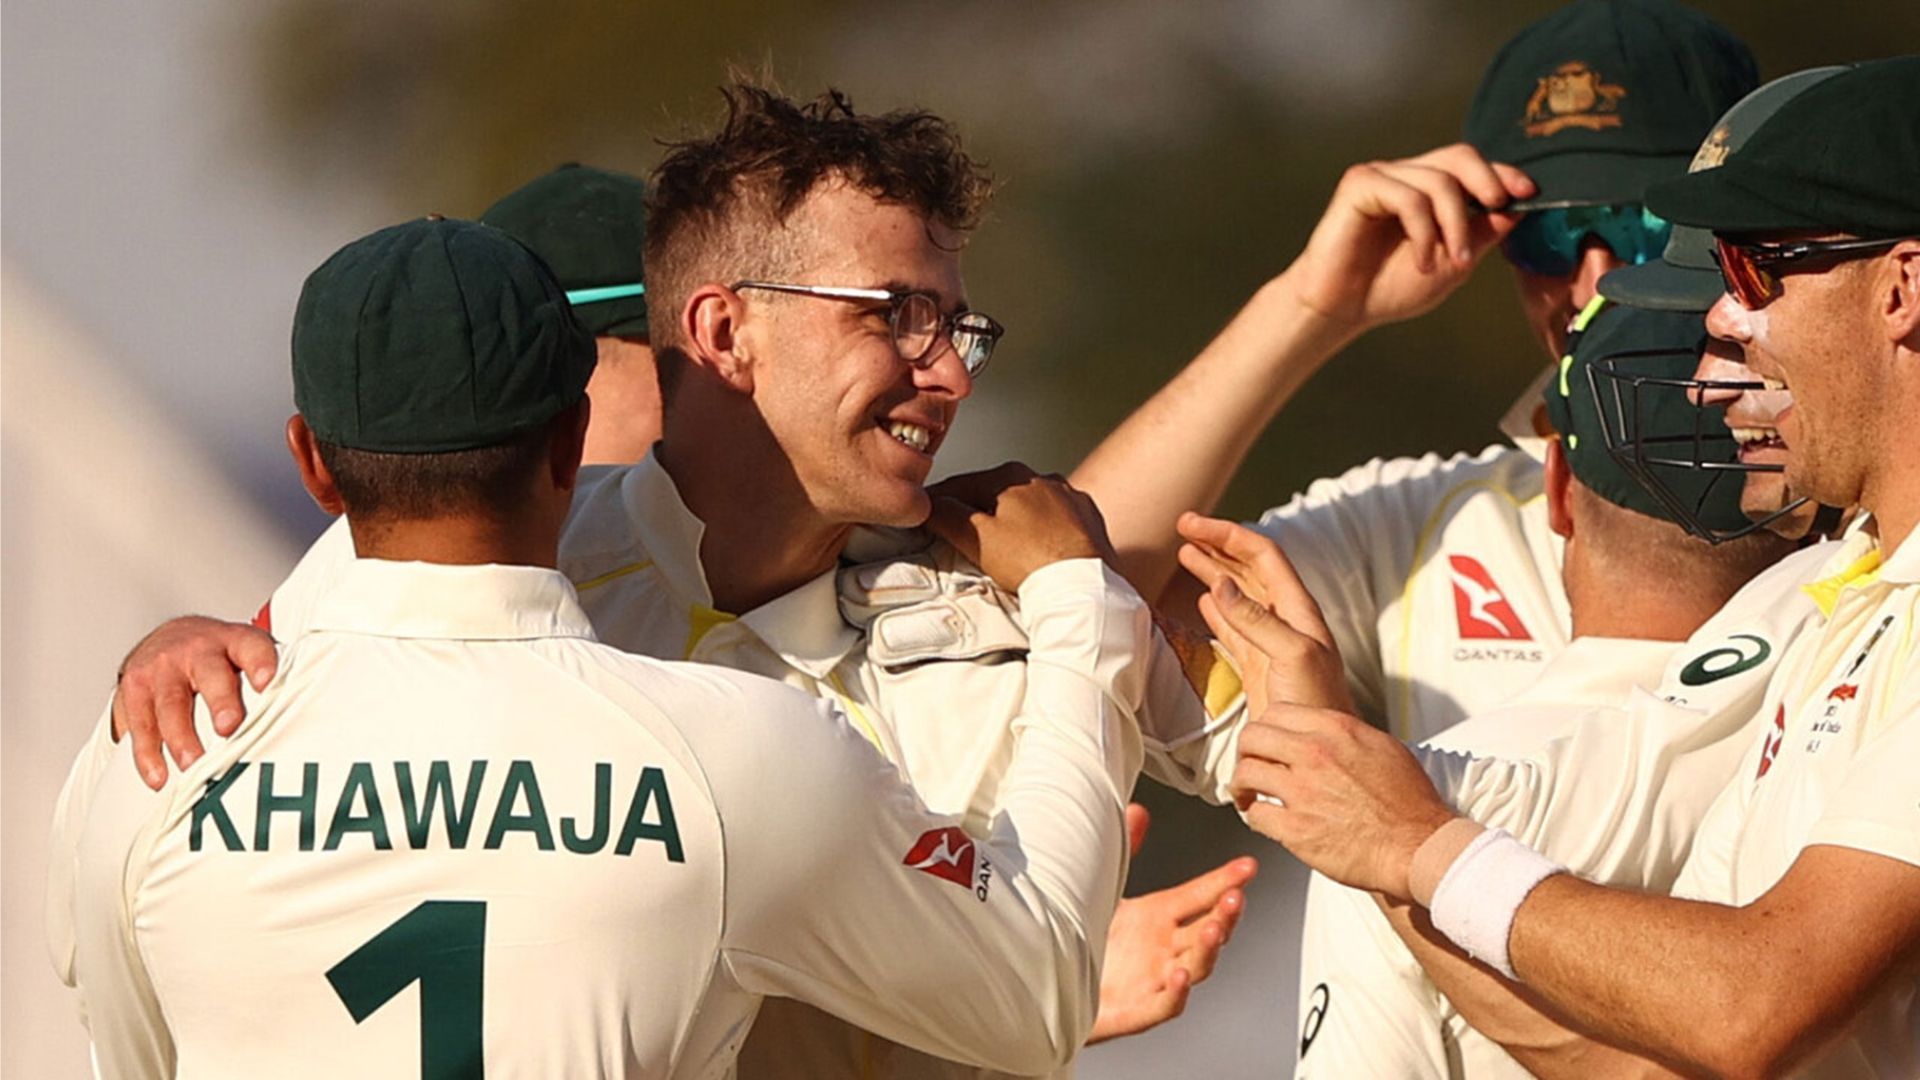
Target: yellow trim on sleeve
{"points": [[858, 714], [1400, 724], [611, 575], [1862, 572], [701, 620]]}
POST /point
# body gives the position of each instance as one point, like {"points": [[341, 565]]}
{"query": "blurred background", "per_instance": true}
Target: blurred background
{"points": [[169, 173]]}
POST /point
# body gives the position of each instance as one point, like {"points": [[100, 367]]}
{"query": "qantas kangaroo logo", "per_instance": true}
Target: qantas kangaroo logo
{"points": [[1479, 606], [945, 853], [1774, 739]]}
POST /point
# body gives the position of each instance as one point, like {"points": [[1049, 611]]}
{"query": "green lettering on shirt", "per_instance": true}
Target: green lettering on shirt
{"points": [[652, 788], [208, 805], [521, 778], [373, 822], [439, 792], [268, 804], [602, 812]]}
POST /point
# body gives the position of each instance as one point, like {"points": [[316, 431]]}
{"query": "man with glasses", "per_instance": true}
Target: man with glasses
{"points": [[1440, 578], [821, 347], [1662, 534], [720, 838], [1790, 941]]}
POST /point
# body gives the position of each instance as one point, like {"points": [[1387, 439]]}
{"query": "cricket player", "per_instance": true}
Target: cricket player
{"points": [[1440, 578], [821, 349], [1664, 555], [591, 864], [590, 226], [1789, 943]]}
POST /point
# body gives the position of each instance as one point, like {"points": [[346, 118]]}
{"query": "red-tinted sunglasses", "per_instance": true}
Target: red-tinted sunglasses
{"points": [[1749, 269]]}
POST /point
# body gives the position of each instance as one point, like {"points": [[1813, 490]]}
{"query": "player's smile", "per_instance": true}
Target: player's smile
{"points": [[917, 429]]}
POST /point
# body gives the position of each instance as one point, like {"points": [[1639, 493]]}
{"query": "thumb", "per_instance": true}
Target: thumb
{"points": [[1249, 620], [1137, 819]]}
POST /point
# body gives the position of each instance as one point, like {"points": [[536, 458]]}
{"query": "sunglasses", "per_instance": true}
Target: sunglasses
{"points": [[1752, 271], [1547, 242]]}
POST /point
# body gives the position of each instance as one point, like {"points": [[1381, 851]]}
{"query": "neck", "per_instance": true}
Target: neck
{"points": [[626, 403], [762, 539], [456, 541], [1610, 600]]}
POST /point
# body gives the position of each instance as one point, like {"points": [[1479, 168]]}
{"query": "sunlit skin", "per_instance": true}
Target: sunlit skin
{"points": [[825, 374], [626, 402], [1808, 341], [1752, 414], [1550, 303]]}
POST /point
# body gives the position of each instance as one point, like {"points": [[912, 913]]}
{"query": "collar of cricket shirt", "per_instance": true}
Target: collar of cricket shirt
{"points": [[1599, 670], [434, 600], [803, 626], [1859, 564]]}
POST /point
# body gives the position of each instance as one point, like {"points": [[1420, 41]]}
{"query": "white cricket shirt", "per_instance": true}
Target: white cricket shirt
{"points": [[1837, 762], [455, 828], [925, 654], [1439, 578]]}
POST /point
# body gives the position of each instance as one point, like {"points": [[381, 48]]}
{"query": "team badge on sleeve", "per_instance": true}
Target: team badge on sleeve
{"points": [[945, 853]]}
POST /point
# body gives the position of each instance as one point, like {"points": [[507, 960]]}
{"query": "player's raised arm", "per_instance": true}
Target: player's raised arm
{"points": [[1395, 240]]}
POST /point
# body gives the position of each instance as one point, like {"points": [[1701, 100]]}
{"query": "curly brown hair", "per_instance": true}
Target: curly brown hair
{"points": [[715, 204]]}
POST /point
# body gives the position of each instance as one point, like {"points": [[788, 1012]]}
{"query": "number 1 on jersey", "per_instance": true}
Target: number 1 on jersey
{"points": [[441, 943]]}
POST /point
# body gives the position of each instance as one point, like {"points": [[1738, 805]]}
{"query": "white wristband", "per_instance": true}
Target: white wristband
{"points": [[1481, 892]]}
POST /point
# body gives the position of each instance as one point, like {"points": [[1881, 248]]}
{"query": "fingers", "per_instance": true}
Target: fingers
{"points": [[980, 489], [1264, 562], [133, 717], [1202, 895], [952, 520], [219, 686], [1448, 204], [173, 706], [1492, 184], [253, 651], [1137, 819], [1232, 614], [1385, 196]]}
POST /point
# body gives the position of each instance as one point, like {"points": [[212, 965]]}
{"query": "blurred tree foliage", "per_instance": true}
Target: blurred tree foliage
{"points": [[1157, 161]]}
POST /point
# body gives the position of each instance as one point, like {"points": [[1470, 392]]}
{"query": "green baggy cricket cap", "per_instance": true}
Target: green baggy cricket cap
{"points": [[1591, 412], [589, 225], [435, 336], [1603, 97], [1844, 156], [1685, 277]]}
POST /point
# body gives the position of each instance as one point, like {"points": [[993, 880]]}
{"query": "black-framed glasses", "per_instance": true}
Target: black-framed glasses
{"points": [[1751, 271], [915, 320]]}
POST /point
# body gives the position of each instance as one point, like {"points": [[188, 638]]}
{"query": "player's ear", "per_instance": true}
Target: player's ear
{"points": [[1901, 305], [1559, 490], [714, 322], [314, 474]]}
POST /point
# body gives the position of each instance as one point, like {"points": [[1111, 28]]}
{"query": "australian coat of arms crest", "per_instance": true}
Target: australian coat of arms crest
{"points": [[1573, 95]]}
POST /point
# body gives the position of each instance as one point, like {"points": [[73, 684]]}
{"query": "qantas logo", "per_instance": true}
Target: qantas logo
{"points": [[946, 854], [1774, 739], [1843, 692], [1479, 606]]}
